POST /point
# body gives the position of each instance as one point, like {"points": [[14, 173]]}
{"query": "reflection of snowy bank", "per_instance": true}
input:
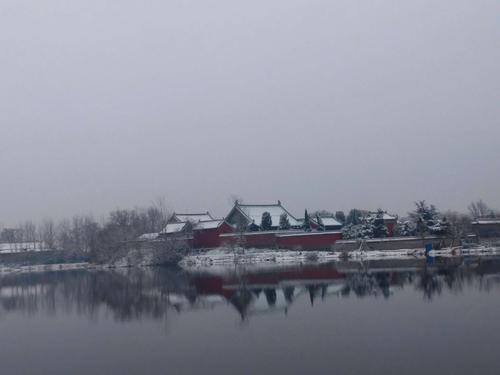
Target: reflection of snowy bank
{"points": [[228, 257], [224, 257]]}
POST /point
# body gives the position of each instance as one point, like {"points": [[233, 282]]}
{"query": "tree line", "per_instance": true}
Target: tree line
{"points": [[99, 238], [83, 233], [425, 219]]}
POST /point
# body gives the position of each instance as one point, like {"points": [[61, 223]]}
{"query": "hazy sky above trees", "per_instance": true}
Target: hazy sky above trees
{"points": [[322, 104]]}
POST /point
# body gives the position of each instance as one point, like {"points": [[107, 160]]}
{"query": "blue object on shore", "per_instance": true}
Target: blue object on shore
{"points": [[428, 248]]}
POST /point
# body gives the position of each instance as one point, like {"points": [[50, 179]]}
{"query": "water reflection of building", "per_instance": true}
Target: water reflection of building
{"points": [[155, 293], [276, 290]]}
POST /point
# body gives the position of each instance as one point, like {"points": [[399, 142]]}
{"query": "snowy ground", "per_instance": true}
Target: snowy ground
{"points": [[253, 256], [44, 267], [227, 257], [21, 247]]}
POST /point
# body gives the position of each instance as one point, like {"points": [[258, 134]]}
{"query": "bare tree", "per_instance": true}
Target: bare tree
{"points": [[480, 209], [89, 233], [48, 234], [18, 238], [64, 235], [459, 226], [29, 233], [161, 207], [9, 235]]}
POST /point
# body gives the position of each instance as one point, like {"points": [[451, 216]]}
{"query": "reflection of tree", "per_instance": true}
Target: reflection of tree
{"points": [[270, 296], [313, 292], [430, 284], [432, 281], [383, 282], [324, 289], [288, 292], [361, 284], [133, 294], [129, 295], [241, 300]]}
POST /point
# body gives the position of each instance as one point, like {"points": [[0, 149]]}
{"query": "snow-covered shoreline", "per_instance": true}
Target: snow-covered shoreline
{"points": [[44, 267], [226, 257], [254, 256]]}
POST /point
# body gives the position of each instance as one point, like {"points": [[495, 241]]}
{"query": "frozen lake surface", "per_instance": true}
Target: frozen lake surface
{"points": [[384, 316]]}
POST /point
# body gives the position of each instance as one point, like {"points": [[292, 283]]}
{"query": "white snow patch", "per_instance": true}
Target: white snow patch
{"points": [[21, 247], [254, 213], [173, 228], [194, 218], [211, 224], [226, 257], [223, 256]]}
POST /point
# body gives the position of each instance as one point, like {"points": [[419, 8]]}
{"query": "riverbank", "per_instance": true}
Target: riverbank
{"points": [[222, 257]]}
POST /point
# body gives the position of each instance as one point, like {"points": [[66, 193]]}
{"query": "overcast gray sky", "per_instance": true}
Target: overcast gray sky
{"points": [[322, 104]]}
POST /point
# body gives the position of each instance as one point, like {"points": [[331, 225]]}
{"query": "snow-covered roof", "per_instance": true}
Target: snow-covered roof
{"points": [[209, 224], [254, 213], [385, 217], [173, 228], [329, 221], [200, 225], [485, 222], [193, 218]]}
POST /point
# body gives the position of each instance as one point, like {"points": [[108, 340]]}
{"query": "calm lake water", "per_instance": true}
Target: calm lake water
{"points": [[376, 317]]}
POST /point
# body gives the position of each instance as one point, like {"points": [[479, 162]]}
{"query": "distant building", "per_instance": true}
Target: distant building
{"points": [[249, 216], [206, 234], [182, 223], [328, 223], [193, 218], [486, 227], [390, 222], [174, 228], [201, 230]]}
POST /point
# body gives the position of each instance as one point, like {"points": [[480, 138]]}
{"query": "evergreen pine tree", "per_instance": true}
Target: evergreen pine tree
{"points": [[379, 227], [425, 218], [340, 217], [307, 222], [321, 226], [445, 226], [405, 229], [284, 222], [354, 217], [442, 228], [267, 221]]}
